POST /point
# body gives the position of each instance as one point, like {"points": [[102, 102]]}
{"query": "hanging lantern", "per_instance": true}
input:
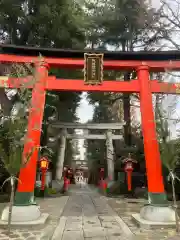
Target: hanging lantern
{"points": [[44, 163], [101, 173], [129, 169], [128, 166]]}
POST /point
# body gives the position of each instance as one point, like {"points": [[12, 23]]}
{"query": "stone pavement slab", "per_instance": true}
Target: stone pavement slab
{"points": [[96, 238], [88, 216], [75, 235], [92, 232]]}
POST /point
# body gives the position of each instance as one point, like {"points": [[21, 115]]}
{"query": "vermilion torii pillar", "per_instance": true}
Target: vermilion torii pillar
{"points": [[25, 191], [156, 191]]}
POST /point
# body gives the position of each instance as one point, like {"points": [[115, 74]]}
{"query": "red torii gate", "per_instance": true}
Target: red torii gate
{"points": [[142, 62]]}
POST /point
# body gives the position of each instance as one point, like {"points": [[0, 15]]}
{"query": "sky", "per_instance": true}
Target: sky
{"points": [[85, 110], [155, 3], [85, 113]]}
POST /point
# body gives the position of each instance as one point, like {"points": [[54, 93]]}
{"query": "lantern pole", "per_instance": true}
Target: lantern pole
{"points": [[43, 178]]}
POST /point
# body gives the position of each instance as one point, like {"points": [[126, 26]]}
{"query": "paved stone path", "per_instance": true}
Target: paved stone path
{"points": [[88, 216], [83, 215]]}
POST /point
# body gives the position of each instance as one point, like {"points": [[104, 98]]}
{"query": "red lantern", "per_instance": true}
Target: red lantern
{"points": [[44, 164], [65, 178], [128, 166], [129, 169], [101, 173], [66, 184]]}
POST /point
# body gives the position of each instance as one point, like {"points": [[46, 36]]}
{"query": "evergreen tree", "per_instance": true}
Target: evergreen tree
{"points": [[44, 23]]}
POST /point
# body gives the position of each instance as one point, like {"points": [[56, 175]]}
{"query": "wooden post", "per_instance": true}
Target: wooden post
{"points": [[25, 192], [156, 191], [61, 155], [110, 155]]}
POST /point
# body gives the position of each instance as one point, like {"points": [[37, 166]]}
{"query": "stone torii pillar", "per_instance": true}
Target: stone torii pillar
{"points": [[61, 154], [85, 133], [110, 155]]}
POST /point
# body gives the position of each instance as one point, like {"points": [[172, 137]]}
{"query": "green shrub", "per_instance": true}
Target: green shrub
{"points": [[47, 192], [51, 191]]}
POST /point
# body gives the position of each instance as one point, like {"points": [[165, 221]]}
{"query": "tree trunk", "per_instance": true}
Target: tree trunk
{"points": [[12, 180], [127, 113], [174, 201]]}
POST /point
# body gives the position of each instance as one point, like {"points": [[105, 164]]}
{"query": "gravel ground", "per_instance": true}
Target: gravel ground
{"points": [[45, 232], [126, 207]]}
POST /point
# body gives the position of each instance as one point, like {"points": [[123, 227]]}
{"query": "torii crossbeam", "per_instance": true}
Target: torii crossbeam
{"points": [[141, 62]]}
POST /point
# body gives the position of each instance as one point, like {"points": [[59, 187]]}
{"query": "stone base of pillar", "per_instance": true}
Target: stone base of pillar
{"points": [[155, 217], [160, 214], [24, 215]]}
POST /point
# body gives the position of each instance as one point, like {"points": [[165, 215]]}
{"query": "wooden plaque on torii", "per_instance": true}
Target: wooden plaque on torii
{"points": [[93, 68]]}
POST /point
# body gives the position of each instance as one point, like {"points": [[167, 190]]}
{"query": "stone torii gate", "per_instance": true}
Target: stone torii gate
{"points": [[108, 136]]}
